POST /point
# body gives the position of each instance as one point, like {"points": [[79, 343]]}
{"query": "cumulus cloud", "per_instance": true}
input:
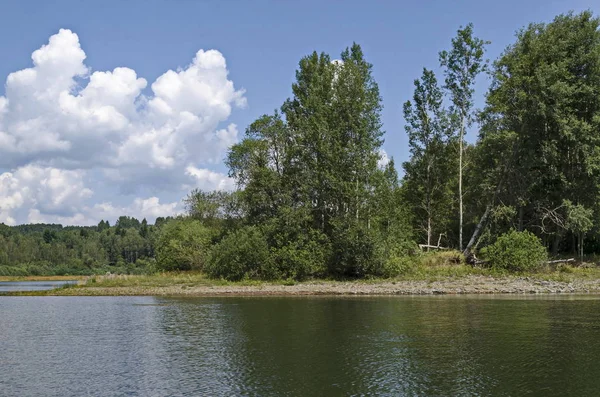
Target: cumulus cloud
{"points": [[210, 180], [60, 120], [49, 190]]}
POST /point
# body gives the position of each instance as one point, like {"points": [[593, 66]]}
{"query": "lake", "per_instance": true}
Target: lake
{"points": [[300, 346], [12, 286]]}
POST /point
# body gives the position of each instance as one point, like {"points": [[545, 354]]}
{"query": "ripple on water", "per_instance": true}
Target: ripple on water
{"points": [[145, 346]]}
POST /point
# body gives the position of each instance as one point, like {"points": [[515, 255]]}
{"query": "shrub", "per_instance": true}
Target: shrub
{"points": [[243, 253], [183, 244], [397, 265], [516, 251], [356, 251], [302, 257]]}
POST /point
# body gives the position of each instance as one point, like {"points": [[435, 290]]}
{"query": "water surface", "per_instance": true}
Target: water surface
{"points": [[14, 286], [292, 346]]}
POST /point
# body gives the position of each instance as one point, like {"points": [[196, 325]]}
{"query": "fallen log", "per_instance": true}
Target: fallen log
{"points": [[561, 261], [433, 247]]}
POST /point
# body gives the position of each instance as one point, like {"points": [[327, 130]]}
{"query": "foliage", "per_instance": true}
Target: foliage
{"points": [[430, 174], [317, 197], [183, 244], [44, 249], [356, 251], [241, 254], [544, 95], [516, 251], [462, 64]]}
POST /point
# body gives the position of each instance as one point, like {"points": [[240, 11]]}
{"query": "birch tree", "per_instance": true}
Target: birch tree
{"points": [[462, 64], [428, 173]]}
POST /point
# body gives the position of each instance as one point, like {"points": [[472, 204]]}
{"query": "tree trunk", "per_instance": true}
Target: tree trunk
{"points": [[520, 218], [428, 232], [555, 243], [460, 195], [581, 246], [478, 229]]}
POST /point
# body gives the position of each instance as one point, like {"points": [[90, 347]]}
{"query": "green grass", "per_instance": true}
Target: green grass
{"points": [[189, 279]]}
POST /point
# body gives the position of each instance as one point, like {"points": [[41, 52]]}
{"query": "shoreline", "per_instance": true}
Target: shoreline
{"points": [[467, 285]]}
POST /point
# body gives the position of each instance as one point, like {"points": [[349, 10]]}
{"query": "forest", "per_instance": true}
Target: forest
{"points": [[316, 197]]}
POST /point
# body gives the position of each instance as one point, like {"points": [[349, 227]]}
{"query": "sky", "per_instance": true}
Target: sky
{"points": [[113, 108]]}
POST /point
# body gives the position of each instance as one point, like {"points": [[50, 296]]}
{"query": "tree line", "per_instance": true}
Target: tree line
{"points": [[50, 249], [315, 197]]}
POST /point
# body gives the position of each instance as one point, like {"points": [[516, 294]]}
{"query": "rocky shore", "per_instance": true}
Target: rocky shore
{"points": [[474, 284]]}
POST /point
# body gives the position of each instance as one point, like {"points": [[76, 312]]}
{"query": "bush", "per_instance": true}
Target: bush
{"points": [[397, 265], [242, 254], [183, 244], [356, 251], [516, 251], [302, 257], [399, 254]]}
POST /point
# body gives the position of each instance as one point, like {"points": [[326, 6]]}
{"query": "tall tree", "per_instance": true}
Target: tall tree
{"points": [[462, 64], [546, 92], [334, 119], [428, 173]]}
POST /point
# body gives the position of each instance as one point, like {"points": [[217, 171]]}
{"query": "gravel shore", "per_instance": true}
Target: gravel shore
{"points": [[463, 285]]}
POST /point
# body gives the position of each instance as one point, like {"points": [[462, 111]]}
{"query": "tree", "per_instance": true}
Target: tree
{"points": [[545, 93], [314, 167], [428, 175], [579, 222], [462, 64], [144, 229], [49, 236], [183, 245], [334, 117], [103, 225]]}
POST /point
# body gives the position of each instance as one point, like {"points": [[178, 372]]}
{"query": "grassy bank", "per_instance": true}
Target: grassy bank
{"points": [[444, 279]]}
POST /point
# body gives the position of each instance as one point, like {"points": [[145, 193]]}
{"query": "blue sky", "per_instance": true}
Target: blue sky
{"points": [[261, 41]]}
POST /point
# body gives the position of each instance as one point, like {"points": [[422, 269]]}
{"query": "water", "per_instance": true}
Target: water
{"points": [[13, 286], [412, 346]]}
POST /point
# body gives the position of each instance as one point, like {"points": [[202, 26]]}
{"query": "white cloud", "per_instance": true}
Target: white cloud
{"points": [[210, 180], [383, 159], [60, 122], [51, 195], [50, 189], [38, 190], [149, 208]]}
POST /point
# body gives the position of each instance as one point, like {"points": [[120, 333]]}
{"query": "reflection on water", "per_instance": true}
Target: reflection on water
{"points": [[13, 286], [429, 346]]}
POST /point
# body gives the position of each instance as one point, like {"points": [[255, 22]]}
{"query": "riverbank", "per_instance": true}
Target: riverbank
{"points": [[451, 280]]}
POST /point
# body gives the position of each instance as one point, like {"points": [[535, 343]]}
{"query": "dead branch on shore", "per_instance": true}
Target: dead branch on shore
{"points": [[422, 246], [561, 261]]}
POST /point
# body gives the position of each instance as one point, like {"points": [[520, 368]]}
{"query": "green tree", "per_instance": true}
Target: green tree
{"points": [[183, 245], [545, 94], [462, 64], [429, 172], [144, 229], [244, 253]]}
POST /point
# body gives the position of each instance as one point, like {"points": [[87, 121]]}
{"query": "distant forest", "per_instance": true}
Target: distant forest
{"points": [[316, 198]]}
